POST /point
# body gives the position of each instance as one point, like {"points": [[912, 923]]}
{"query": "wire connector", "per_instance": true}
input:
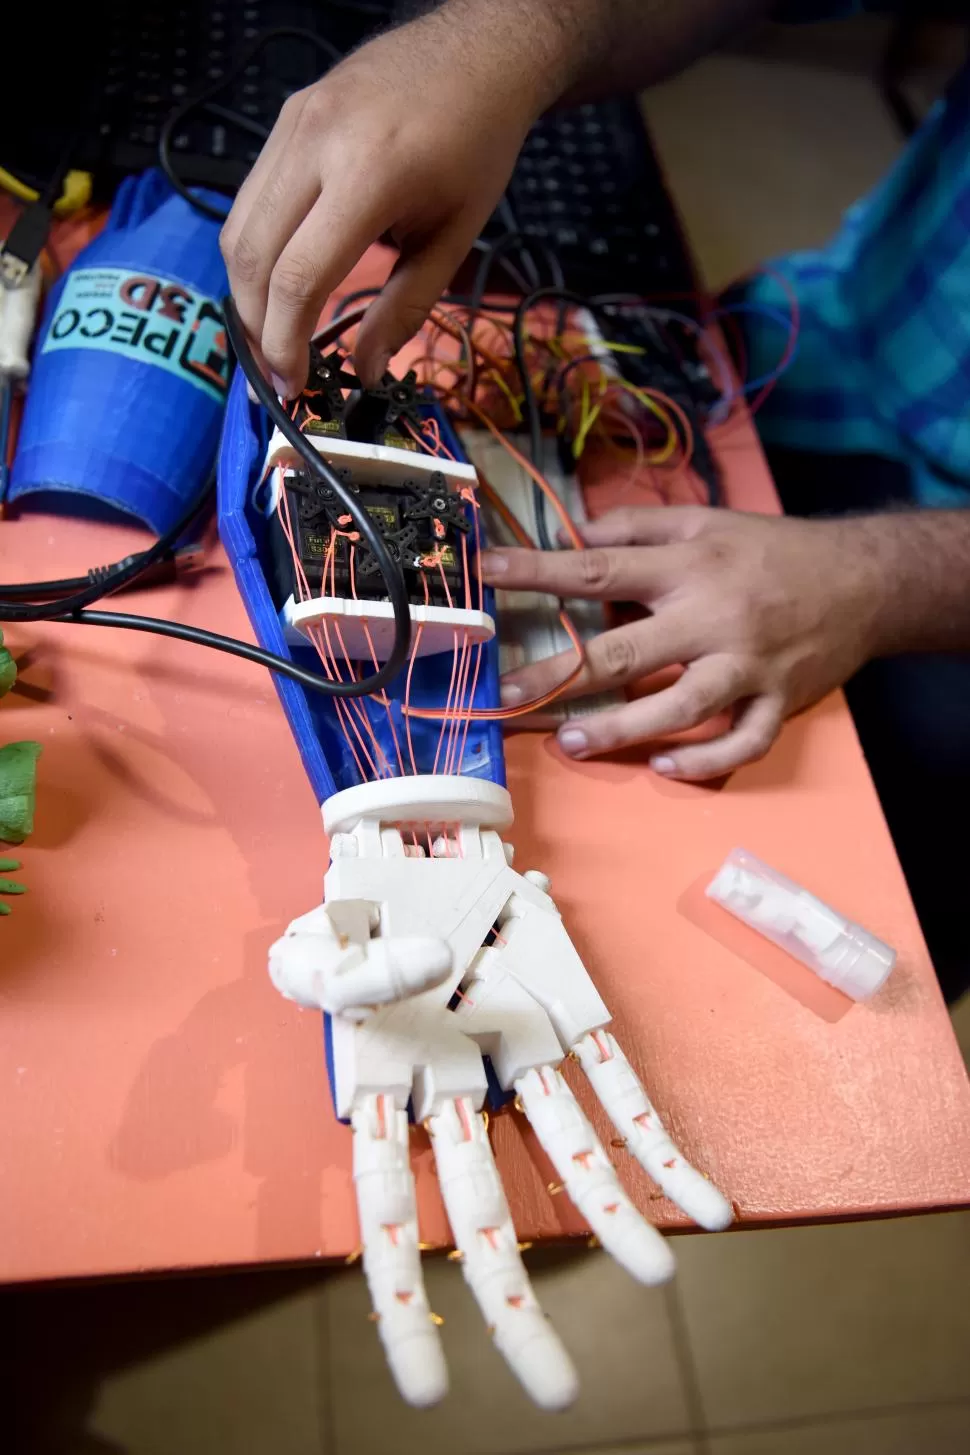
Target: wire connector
{"points": [[24, 244], [174, 563]]}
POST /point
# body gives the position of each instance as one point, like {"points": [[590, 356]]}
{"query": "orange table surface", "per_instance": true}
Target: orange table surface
{"points": [[164, 1108]]}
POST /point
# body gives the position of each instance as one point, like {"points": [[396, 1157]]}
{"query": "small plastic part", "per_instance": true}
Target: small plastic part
{"points": [[839, 951], [425, 799], [327, 960], [366, 628], [24, 245], [18, 315], [372, 463]]}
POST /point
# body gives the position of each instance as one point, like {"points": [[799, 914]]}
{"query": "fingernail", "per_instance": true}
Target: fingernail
{"points": [[573, 741], [511, 694], [663, 765], [279, 386], [490, 564]]}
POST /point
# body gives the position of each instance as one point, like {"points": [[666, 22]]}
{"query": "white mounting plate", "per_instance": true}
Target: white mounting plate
{"points": [[362, 630], [420, 798], [370, 464]]}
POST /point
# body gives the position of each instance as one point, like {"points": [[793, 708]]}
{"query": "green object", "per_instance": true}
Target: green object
{"points": [[10, 886], [8, 668], [18, 781]]}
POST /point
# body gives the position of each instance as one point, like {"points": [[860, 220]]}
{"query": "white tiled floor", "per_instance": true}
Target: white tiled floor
{"points": [[786, 1342], [802, 1322], [943, 1430], [619, 1334], [852, 1340]]}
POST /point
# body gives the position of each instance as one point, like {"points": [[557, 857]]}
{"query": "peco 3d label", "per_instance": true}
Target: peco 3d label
{"points": [[143, 316]]}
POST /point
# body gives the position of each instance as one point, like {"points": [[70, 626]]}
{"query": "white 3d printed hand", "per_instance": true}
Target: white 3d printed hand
{"points": [[431, 951]]}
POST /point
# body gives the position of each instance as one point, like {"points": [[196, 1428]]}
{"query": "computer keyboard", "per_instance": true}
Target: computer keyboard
{"points": [[588, 186], [119, 70]]}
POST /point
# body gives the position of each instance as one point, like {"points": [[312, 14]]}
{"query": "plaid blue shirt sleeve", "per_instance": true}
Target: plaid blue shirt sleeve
{"points": [[883, 363]]}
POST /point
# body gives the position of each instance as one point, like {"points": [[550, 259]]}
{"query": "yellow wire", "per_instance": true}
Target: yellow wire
{"points": [[516, 408], [672, 442], [588, 416], [76, 193]]}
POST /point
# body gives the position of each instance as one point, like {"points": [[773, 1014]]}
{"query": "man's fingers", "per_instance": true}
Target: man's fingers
{"points": [[478, 1212], [392, 1259], [615, 574], [589, 1176], [333, 236], [645, 525], [626, 1103], [754, 731], [249, 260], [707, 687], [403, 305], [613, 659]]}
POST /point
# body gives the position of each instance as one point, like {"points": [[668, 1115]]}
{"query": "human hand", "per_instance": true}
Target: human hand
{"points": [[414, 136], [420, 861], [765, 614]]}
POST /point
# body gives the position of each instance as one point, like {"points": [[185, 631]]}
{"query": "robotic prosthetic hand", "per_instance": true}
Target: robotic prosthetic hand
{"points": [[429, 953]]}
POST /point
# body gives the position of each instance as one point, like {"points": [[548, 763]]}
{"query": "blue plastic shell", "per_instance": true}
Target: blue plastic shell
{"points": [[312, 717], [129, 379]]}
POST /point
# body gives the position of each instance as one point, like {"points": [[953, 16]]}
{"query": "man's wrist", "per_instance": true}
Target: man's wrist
{"points": [[532, 47], [913, 582], [856, 558]]}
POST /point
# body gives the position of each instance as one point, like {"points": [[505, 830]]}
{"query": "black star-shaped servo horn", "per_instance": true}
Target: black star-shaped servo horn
{"points": [[435, 501], [387, 410], [323, 406]]}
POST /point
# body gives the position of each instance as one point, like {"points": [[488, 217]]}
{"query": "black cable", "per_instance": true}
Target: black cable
{"points": [[101, 580], [31, 590], [157, 626], [236, 118], [492, 255], [391, 573], [73, 611], [54, 185], [206, 93]]}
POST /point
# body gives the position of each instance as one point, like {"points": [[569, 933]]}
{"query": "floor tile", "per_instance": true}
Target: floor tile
{"points": [[800, 1322], [686, 1446], [227, 1364], [757, 165], [960, 1015], [244, 1388], [939, 1430], [618, 1333]]}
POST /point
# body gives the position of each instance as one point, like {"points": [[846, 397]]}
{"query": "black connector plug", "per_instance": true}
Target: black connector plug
{"points": [[25, 243], [170, 567]]}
